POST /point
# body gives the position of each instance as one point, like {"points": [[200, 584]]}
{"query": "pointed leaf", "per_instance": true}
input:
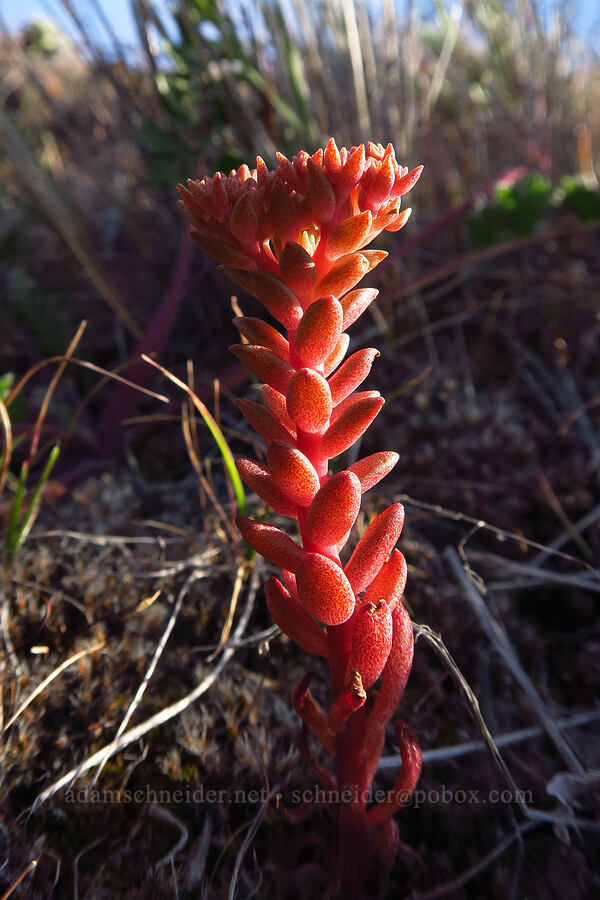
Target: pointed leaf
{"points": [[264, 335], [343, 275], [374, 547], [259, 479], [297, 268], [373, 468], [294, 620], [354, 304], [352, 373], [271, 543], [390, 581], [272, 292], [264, 364], [346, 429], [371, 641], [264, 422], [336, 355]]}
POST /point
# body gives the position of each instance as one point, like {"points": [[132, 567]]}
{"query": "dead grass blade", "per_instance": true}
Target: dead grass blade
{"points": [[51, 388], [509, 739], [438, 510], [535, 815], [240, 575], [348, 10], [86, 365], [214, 429], [501, 643], [153, 664], [164, 715], [450, 887], [7, 452], [252, 832], [33, 180], [32, 865], [48, 680]]}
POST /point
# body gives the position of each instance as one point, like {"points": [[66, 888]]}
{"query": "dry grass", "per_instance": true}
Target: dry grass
{"points": [[137, 654]]}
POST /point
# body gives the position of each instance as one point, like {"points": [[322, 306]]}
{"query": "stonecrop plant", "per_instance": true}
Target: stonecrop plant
{"points": [[295, 238]]}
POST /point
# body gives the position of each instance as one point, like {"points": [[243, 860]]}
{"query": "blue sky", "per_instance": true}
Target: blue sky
{"points": [[16, 13]]}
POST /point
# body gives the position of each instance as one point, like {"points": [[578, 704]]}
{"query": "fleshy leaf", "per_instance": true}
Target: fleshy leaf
{"points": [[308, 400], [294, 473], [324, 589], [319, 331], [374, 547], [334, 509], [371, 640], [264, 364], [351, 373], [371, 469], [271, 543], [342, 433], [293, 619]]}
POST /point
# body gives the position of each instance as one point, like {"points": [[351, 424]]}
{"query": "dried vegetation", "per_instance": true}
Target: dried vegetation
{"points": [[131, 602]]}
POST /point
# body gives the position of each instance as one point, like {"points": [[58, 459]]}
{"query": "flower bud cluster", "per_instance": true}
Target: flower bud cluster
{"points": [[295, 238]]}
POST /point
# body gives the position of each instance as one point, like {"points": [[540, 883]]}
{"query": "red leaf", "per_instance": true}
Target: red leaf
{"points": [[346, 429], [294, 621], [395, 673], [374, 547], [264, 335], [373, 468], [333, 512], [336, 355], [324, 589], [354, 304], [349, 235], [259, 479], [264, 364], [351, 373], [264, 422], [319, 331], [390, 581], [293, 472], [308, 400], [272, 292], [271, 543], [297, 268], [343, 275], [371, 640]]}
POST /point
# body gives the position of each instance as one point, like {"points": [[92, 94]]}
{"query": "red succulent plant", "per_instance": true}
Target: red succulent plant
{"points": [[295, 238]]}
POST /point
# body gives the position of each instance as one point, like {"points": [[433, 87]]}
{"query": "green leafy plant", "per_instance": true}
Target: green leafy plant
{"points": [[514, 210], [580, 198]]}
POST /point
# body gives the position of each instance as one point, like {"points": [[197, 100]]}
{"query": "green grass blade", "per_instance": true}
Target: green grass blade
{"points": [[29, 516], [228, 460], [13, 525], [213, 427]]}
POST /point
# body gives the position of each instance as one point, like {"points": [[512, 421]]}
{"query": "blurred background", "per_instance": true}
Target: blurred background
{"points": [[105, 106], [488, 321]]}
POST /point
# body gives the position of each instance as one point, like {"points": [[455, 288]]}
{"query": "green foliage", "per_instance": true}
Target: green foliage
{"points": [[514, 211], [517, 210], [6, 383], [580, 199], [22, 518]]}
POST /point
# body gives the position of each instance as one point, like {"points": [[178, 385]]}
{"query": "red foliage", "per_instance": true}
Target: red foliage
{"points": [[295, 238]]}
